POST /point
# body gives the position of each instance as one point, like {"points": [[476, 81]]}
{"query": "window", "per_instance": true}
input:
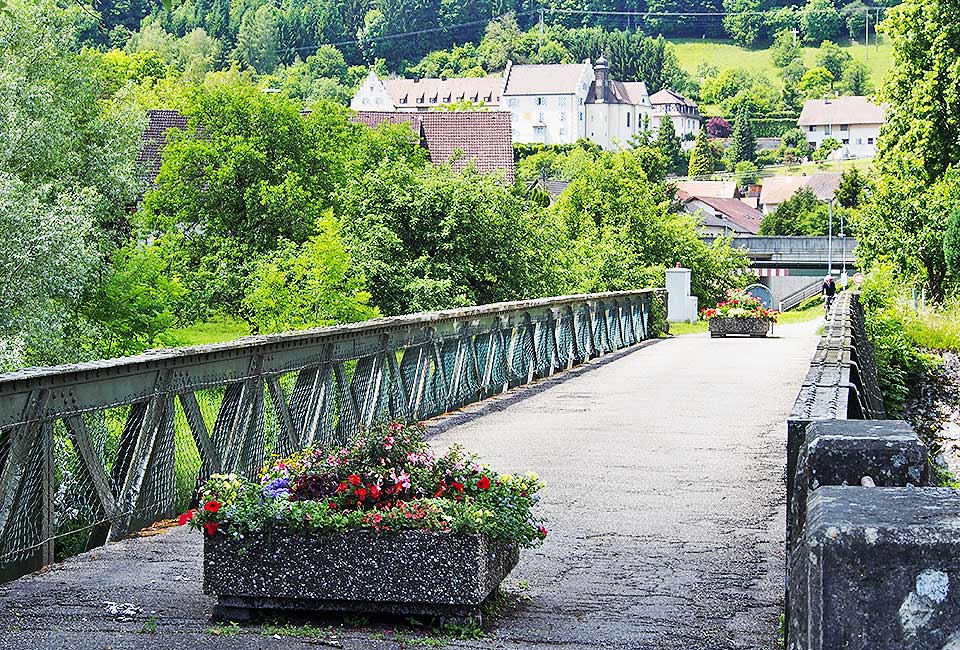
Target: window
{"points": [[541, 101], [540, 116], [581, 116], [403, 100], [813, 129], [859, 140], [563, 131], [828, 129], [628, 120], [538, 128], [869, 140], [581, 101], [563, 116], [433, 100], [561, 101], [513, 102], [845, 141], [844, 128]]}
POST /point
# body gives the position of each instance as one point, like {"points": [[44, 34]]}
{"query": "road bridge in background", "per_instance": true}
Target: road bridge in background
{"points": [[663, 463], [786, 265]]}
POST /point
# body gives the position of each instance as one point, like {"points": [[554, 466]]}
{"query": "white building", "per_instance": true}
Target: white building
{"points": [[854, 121], [616, 110], [668, 104], [414, 95], [548, 102]]}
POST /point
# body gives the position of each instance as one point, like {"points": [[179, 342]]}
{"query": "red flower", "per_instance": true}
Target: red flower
{"points": [[341, 487], [185, 517], [212, 506], [211, 527], [374, 491], [354, 480], [542, 531], [332, 505], [360, 493], [483, 483], [456, 486]]}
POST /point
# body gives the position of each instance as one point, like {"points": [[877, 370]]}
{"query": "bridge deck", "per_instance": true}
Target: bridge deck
{"points": [[664, 473]]}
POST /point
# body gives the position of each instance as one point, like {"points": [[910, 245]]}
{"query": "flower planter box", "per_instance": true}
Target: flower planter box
{"points": [[411, 572], [720, 326]]}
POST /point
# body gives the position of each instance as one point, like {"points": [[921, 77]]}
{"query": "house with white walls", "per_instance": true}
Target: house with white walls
{"points": [[547, 102], [670, 105], [419, 95], [853, 121]]}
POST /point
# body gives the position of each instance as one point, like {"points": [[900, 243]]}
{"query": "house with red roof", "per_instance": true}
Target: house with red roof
{"points": [[723, 216]]}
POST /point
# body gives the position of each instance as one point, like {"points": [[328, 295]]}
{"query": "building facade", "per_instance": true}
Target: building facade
{"points": [[552, 104], [670, 105], [421, 95], [853, 121]]}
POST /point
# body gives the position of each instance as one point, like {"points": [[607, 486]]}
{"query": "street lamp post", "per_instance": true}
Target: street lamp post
{"points": [[843, 253], [830, 240]]}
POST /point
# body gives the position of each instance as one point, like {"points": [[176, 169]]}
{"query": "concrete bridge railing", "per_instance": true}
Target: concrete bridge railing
{"points": [[873, 554], [92, 451]]}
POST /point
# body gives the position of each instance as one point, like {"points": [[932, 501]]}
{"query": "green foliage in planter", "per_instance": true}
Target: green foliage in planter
{"points": [[385, 479]]}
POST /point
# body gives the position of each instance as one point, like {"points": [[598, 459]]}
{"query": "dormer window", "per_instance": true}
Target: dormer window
{"points": [[433, 100], [403, 100]]}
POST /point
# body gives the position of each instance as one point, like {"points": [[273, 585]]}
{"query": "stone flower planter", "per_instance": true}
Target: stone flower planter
{"points": [[738, 326], [408, 572]]}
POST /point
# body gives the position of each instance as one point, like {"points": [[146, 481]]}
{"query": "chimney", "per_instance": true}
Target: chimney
{"points": [[602, 83]]}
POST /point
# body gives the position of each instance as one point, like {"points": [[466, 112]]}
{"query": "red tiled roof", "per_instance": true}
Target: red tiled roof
{"points": [[485, 138], [155, 139]]}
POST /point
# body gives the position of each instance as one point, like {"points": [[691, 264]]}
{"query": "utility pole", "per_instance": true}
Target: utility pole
{"points": [[866, 32], [540, 39]]}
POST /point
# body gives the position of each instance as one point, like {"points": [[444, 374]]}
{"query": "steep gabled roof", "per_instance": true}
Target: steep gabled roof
{"points": [[734, 210], [777, 189], [154, 139], [484, 138], [722, 189], [667, 96], [840, 110], [620, 92], [543, 79]]}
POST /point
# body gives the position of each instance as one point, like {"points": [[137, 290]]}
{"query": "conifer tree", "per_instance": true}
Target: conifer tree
{"points": [[744, 143], [701, 158]]}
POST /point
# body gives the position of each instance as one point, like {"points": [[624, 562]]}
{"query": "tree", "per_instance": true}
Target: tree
{"points": [[856, 79], [427, 237], [744, 21], [827, 147], [67, 173], [832, 57], [819, 21], [744, 143], [803, 214], [250, 170], [622, 232], [816, 82], [668, 144], [746, 173], [851, 189], [854, 16], [717, 127], [785, 50], [312, 284], [701, 158], [258, 39], [951, 244]]}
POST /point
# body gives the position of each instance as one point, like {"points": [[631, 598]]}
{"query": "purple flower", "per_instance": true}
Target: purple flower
{"points": [[277, 488]]}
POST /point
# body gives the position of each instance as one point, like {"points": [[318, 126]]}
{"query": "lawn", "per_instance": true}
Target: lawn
{"points": [[216, 330], [724, 54]]}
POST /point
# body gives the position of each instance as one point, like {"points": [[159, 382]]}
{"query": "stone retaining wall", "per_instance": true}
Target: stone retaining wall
{"points": [[873, 552]]}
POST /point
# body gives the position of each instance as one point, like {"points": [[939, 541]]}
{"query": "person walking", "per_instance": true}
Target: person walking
{"points": [[829, 291]]}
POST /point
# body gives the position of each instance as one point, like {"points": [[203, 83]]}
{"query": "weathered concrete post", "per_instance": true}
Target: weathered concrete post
{"points": [[681, 306]]}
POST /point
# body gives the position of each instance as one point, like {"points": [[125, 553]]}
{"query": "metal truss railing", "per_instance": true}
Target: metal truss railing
{"points": [[92, 451]]}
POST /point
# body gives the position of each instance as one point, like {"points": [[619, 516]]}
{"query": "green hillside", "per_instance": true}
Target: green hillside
{"points": [[723, 54]]}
